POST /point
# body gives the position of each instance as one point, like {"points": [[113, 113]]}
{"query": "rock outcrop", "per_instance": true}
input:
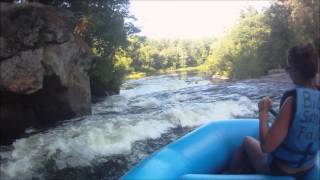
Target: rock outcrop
{"points": [[43, 68]]}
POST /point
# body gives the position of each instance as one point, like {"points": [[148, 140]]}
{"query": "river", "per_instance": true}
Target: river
{"points": [[123, 129]]}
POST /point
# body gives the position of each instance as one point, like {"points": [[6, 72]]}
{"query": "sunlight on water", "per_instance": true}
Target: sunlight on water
{"points": [[158, 84]]}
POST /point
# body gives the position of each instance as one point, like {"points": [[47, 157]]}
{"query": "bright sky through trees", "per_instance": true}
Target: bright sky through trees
{"points": [[189, 18]]}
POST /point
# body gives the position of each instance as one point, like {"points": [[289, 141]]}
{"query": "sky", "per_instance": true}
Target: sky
{"points": [[189, 18]]}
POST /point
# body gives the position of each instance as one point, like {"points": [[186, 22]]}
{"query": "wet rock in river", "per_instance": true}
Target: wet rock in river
{"points": [[43, 68]]}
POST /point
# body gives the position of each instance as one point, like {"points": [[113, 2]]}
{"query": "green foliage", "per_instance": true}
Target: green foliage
{"points": [[101, 23], [150, 55], [256, 44], [259, 42], [237, 54]]}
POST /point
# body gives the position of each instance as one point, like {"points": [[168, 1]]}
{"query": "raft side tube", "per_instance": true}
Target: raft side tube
{"points": [[233, 177], [205, 150], [202, 154]]}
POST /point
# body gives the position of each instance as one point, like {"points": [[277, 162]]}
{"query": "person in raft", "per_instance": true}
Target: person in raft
{"points": [[289, 147]]}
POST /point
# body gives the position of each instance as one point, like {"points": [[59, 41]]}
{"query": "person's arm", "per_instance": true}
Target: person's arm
{"points": [[271, 138], [264, 105]]}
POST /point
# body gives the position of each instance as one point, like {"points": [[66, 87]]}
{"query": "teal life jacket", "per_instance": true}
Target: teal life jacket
{"points": [[302, 142]]}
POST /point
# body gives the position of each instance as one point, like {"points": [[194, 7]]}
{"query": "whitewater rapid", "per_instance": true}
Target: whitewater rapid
{"points": [[123, 129]]}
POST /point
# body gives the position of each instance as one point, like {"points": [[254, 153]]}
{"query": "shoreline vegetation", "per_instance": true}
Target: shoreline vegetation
{"points": [[256, 44], [152, 72]]}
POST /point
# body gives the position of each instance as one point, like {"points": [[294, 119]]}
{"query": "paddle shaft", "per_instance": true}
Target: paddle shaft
{"points": [[273, 112]]}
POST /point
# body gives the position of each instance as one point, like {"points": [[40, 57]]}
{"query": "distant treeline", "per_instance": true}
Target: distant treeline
{"points": [[144, 54], [256, 44]]}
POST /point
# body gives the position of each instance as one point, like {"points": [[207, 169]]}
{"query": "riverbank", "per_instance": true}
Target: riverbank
{"points": [[152, 72], [273, 75]]}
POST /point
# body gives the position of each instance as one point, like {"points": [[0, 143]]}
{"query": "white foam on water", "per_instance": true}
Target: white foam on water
{"points": [[177, 98], [78, 146], [199, 113], [166, 83], [116, 103], [149, 102]]}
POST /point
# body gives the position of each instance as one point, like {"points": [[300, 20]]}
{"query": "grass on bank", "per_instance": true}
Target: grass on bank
{"points": [[136, 75], [149, 72]]}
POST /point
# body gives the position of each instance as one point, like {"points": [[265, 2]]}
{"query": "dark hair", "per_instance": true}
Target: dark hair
{"points": [[304, 59]]}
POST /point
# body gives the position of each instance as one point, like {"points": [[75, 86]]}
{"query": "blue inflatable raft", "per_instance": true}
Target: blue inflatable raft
{"points": [[202, 154]]}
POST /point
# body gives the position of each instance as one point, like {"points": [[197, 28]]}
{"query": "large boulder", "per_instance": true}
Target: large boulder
{"points": [[43, 68], [29, 26]]}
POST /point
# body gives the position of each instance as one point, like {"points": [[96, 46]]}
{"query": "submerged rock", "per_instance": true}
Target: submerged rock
{"points": [[43, 68]]}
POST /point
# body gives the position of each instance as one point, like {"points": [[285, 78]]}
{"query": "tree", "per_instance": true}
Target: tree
{"points": [[282, 36], [259, 42], [101, 23], [237, 54], [305, 20]]}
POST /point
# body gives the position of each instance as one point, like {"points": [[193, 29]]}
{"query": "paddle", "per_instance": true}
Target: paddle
{"points": [[273, 112]]}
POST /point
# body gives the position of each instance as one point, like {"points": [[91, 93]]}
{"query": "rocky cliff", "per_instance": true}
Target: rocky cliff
{"points": [[43, 68]]}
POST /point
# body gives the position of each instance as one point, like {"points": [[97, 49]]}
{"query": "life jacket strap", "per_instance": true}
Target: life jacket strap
{"points": [[295, 151], [284, 160], [305, 155]]}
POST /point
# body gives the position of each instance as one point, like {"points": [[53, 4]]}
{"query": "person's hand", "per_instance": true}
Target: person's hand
{"points": [[265, 105]]}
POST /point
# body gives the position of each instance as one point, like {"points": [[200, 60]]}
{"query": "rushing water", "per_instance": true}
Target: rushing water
{"points": [[123, 129]]}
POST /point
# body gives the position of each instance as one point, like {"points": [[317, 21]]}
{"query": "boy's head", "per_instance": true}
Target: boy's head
{"points": [[302, 62]]}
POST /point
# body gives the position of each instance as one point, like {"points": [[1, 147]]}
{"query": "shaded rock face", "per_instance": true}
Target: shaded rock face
{"points": [[43, 68]]}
